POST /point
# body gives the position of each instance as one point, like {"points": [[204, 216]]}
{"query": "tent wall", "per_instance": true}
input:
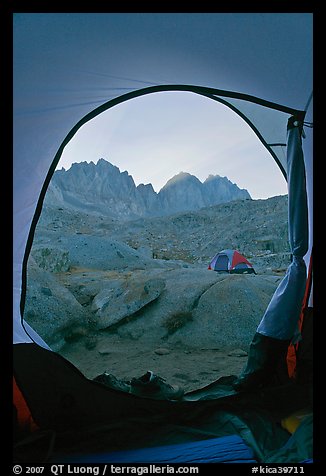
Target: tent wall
{"points": [[281, 318]]}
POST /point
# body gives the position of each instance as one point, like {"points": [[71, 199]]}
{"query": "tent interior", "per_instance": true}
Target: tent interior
{"points": [[68, 69]]}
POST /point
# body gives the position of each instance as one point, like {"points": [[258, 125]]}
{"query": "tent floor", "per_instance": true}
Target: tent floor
{"points": [[78, 416]]}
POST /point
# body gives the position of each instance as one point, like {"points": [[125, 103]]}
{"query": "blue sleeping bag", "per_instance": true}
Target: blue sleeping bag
{"points": [[227, 449]]}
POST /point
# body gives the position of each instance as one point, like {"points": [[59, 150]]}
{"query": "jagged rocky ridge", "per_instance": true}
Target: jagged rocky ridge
{"points": [[104, 189]]}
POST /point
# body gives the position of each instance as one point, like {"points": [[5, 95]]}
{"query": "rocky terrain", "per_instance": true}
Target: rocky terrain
{"points": [[132, 295], [102, 188]]}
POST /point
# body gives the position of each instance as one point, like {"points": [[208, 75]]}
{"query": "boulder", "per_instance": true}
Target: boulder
{"points": [[228, 313], [51, 310], [51, 258], [172, 310], [123, 299]]}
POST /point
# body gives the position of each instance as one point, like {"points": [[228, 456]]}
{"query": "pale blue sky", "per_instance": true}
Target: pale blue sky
{"points": [[156, 136]]}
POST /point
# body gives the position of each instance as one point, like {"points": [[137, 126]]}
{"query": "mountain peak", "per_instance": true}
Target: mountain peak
{"points": [[103, 188], [214, 177], [181, 177]]}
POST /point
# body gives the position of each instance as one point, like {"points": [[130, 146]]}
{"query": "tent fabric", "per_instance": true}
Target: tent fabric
{"points": [[283, 312], [306, 310], [231, 261], [228, 449], [298, 448], [89, 418], [24, 419]]}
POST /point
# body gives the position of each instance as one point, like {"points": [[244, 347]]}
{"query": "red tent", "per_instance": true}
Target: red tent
{"points": [[231, 261]]}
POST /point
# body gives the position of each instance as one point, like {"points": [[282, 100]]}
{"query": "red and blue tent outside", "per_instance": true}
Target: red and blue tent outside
{"points": [[231, 261]]}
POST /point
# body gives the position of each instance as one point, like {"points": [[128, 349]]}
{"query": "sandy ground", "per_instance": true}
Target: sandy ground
{"points": [[189, 368]]}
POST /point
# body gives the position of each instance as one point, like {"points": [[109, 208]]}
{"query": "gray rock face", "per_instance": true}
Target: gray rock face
{"points": [[257, 228], [203, 309], [104, 189], [99, 252], [51, 309], [221, 190], [172, 310], [183, 192], [122, 299], [228, 313], [52, 259]]}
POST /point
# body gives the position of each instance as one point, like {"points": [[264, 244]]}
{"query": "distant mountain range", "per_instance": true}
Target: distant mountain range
{"points": [[102, 188]]}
